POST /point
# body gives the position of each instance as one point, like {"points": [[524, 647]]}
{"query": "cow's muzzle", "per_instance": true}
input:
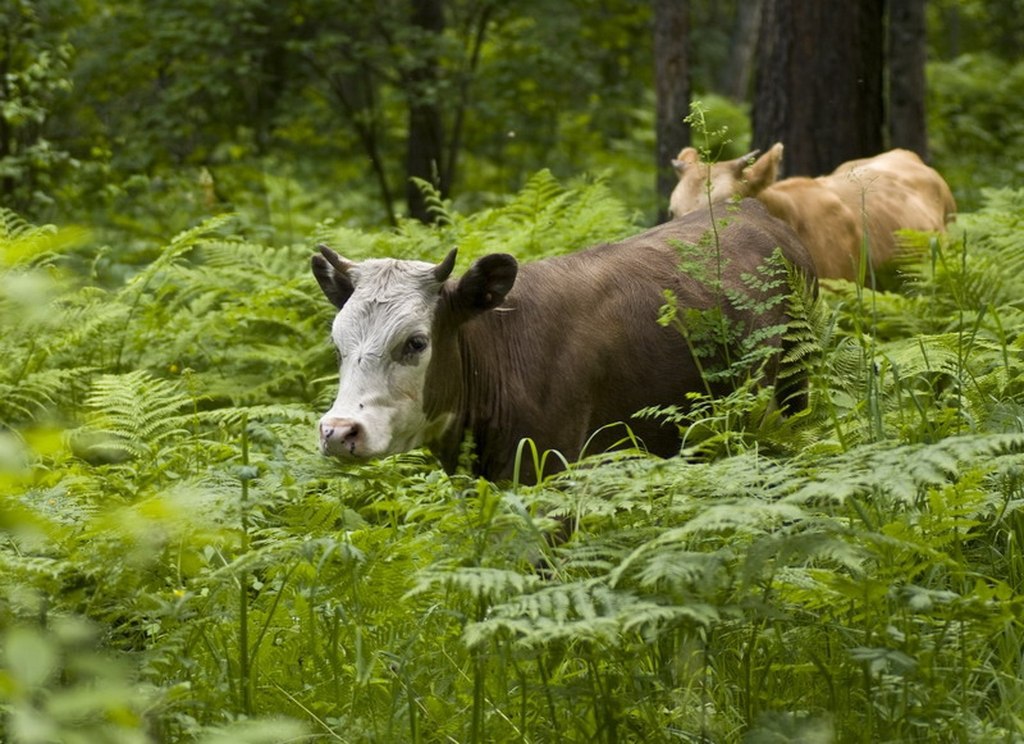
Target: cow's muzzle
{"points": [[342, 438]]}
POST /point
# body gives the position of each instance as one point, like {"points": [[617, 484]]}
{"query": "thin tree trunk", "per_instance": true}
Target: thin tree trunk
{"points": [[6, 134], [455, 142], [734, 79], [952, 24], [424, 157], [365, 127], [907, 55], [672, 90]]}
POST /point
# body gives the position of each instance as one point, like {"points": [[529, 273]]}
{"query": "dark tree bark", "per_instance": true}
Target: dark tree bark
{"points": [[672, 90], [907, 55], [356, 98], [819, 82], [6, 135], [734, 80], [951, 23], [425, 154], [479, 24]]}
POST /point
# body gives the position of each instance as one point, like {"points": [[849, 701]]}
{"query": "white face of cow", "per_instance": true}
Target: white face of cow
{"points": [[383, 334]]}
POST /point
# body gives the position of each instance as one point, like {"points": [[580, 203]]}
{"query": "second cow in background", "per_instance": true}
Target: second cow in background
{"points": [[861, 204]]}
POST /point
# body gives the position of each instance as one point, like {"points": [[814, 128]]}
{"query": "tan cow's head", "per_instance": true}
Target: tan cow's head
{"points": [[701, 184]]}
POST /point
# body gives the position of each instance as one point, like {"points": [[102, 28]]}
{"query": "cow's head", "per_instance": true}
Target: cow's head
{"points": [[745, 176], [395, 333]]}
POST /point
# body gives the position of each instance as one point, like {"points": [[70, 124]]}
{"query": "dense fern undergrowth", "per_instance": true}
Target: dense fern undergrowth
{"points": [[177, 563]]}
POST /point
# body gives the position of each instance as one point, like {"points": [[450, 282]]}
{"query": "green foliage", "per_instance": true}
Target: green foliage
{"points": [[961, 25], [35, 60], [59, 687], [177, 563], [729, 137], [976, 123], [180, 113]]}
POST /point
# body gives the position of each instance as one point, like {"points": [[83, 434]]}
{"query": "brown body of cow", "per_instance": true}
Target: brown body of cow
{"points": [[861, 204], [556, 349]]}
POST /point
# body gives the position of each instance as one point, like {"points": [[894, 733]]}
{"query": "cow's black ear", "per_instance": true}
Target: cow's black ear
{"points": [[487, 282], [332, 274]]}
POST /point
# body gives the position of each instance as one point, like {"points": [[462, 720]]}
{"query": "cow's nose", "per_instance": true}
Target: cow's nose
{"points": [[340, 436]]}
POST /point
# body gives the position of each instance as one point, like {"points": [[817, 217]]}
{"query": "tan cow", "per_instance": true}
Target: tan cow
{"points": [[889, 192]]}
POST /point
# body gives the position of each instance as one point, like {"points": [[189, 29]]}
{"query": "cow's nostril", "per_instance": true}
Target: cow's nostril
{"points": [[337, 435]]}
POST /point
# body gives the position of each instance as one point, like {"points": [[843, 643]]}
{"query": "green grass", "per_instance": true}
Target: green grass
{"points": [[177, 563]]}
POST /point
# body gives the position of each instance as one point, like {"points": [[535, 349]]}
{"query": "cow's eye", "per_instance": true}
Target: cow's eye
{"points": [[416, 344]]}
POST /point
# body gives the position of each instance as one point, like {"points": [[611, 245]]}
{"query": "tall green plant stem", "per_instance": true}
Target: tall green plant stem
{"points": [[244, 668], [866, 273], [698, 121]]}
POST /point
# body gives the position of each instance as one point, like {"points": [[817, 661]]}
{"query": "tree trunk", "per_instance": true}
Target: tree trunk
{"points": [[672, 90], [907, 54], [734, 80], [425, 157], [6, 134], [480, 23], [819, 82]]}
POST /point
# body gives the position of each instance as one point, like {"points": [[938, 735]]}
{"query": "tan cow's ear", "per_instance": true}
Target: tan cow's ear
{"points": [[687, 156], [332, 274], [486, 283], [764, 171]]}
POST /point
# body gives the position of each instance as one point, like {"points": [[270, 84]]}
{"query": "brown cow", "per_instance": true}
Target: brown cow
{"points": [[889, 192], [553, 350]]}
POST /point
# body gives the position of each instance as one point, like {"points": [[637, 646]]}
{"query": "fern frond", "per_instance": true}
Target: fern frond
{"points": [[900, 473], [578, 611], [667, 563], [546, 218], [539, 193], [14, 227], [479, 583], [584, 611], [35, 392], [232, 416], [179, 246], [22, 243], [435, 204], [137, 411]]}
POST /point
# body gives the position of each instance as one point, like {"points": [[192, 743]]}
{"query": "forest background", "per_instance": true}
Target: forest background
{"points": [[177, 563]]}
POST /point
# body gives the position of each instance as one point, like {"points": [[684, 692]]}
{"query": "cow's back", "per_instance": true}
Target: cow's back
{"points": [[863, 202], [891, 192], [580, 344], [825, 224]]}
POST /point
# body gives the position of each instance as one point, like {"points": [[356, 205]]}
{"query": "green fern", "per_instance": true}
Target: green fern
{"points": [[436, 207], [546, 218], [858, 558], [135, 414], [22, 243], [27, 397]]}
